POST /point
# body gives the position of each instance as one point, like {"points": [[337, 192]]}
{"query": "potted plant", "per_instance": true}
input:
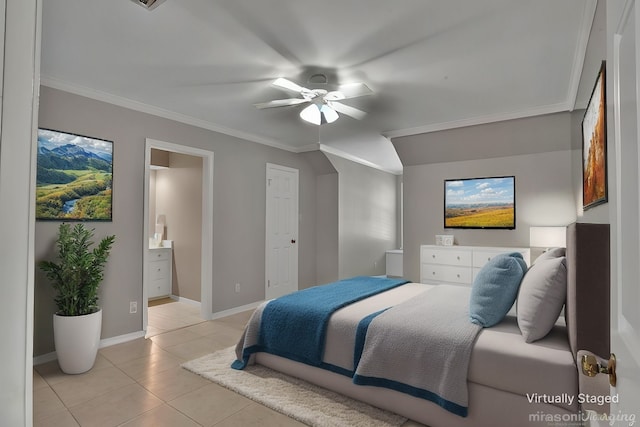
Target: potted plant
{"points": [[76, 278]]}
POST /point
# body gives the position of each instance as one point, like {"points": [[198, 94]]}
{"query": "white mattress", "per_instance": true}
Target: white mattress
{"points": [[501, 359]]}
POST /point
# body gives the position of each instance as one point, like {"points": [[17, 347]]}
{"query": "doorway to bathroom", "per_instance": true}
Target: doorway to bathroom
{"points": [[178, 241]]}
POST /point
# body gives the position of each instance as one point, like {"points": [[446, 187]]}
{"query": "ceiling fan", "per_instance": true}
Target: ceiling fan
{"points": [[325, 105]]}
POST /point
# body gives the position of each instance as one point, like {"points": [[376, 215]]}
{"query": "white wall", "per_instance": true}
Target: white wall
{"points": [[20, 40]]}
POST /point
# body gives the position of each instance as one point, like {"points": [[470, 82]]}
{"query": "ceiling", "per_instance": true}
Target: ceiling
{"points": [[432, 65]]}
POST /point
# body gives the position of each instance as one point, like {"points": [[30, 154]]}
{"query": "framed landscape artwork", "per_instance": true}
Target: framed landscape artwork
{"points": [[74, 177], [594, 146], [488, 203]]}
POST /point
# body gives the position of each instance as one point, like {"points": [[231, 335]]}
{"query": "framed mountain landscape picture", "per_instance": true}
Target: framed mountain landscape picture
{"points": [[74, 177]]}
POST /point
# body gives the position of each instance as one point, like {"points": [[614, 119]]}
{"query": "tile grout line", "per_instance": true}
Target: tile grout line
{"points": [[112, 363]]}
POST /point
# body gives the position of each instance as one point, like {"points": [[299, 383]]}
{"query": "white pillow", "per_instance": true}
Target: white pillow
{"points": [[542, 294], [552, 253]]}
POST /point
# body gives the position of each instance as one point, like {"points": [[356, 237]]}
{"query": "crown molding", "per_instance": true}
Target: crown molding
{"points": [[479, 120], [167, 114], [306, 148], [339, 153]]}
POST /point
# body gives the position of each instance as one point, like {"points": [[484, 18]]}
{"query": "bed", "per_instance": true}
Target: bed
{"points": [[537, 381]]}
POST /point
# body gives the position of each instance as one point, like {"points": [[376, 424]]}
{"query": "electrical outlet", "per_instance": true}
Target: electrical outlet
{"points": [[237, 288], [133, 307]]}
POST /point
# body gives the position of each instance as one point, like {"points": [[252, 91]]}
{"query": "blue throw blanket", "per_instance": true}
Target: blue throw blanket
{"points": [[295, 325]]}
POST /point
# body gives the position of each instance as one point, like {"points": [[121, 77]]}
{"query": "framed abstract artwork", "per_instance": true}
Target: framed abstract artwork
{"points": [[594, 146]]}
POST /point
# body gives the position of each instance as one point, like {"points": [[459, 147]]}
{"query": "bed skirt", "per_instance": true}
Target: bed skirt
{"points": [[487, 405]]}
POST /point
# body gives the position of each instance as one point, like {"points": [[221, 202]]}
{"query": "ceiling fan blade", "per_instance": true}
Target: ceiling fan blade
{"points": [[334, 95], [354, 90], [281, 103], [288, 84], [347, 109]]}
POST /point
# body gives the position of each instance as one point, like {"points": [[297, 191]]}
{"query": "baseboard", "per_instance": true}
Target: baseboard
{"points": [[44, 358], [185, 300], [235, 310], [107, 342]]}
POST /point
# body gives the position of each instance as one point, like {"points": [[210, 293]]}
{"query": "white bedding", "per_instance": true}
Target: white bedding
{"points": [[500, 359], [504, 370]]}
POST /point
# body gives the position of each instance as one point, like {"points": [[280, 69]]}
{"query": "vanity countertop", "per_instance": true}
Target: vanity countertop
{"points": [[166, 244]]}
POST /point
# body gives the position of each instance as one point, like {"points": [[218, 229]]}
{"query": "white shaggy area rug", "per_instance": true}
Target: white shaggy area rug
{"points": [[307, 403]]}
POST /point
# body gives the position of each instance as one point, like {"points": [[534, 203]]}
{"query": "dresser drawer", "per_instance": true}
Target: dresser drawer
{"points": [[158, 270], [480, 258], [446, 273], [449, 257], [159, 254], [159, 288], [459, 264]]}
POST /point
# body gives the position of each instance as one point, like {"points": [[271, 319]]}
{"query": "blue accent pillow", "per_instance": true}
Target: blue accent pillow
{"points": [[495, 289]]}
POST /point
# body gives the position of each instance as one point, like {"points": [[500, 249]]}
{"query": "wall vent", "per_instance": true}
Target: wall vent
{"points": [[148, 4]]}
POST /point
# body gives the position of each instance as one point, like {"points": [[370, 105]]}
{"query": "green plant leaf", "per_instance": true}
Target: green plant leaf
{"points": [[79, 271]]}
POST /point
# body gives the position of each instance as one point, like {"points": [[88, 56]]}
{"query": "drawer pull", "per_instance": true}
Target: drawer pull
{"points": [[489, 259], [433, 272], [458, 276], [458, 258], [433, 256]]}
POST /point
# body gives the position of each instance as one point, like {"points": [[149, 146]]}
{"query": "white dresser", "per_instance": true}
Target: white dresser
{"points": [[458, 265], [160, 272]]}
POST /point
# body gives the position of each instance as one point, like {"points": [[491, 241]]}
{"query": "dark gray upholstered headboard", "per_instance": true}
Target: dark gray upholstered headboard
{"points": [[588, 286]]}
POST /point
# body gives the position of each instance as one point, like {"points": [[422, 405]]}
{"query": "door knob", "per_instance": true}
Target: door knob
{"points": [[591, 367], [293, 240]]}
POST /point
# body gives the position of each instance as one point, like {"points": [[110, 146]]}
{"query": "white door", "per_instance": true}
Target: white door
{"points": [[282, 231], [625, 285]]}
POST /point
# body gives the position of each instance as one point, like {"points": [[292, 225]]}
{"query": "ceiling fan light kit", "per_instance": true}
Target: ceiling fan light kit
{"points": [[318, 114], [329, 114], [324, 106]]}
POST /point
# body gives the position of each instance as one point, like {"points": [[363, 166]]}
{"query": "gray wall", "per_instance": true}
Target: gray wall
{"points": [[367, 217], [400, 203], [327, 228], [544, 197], [179, 198], [325, 218], [542, 152], [530, 135], [596, 53], [152, 202], [238, 217]]}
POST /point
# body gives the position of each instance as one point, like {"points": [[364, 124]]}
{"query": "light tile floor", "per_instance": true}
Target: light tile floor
{"points": [[141, 383], [171, 316]]}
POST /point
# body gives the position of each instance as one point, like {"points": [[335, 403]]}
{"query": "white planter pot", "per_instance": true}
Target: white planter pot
{"points": [[77, 339]]}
